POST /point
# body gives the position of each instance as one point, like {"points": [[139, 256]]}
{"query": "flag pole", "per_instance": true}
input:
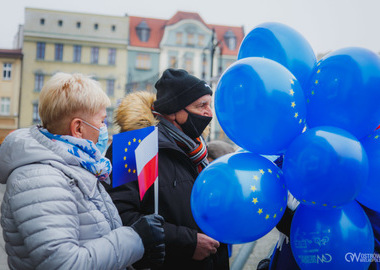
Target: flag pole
{"points": [[156, 196]]}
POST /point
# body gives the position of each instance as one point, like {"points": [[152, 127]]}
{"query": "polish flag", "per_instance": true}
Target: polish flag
{"points": [[147, 162]]}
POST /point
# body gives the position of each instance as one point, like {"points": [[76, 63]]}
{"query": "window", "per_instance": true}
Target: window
{"points": [[36, 116], [94, 55], [38, 82], [201, 40], [5, 105], [110, 87], [143, 61], [77, 53], [143, 31], [178, 38], [40, 50], [189, 65], [204, 66], [7, 71], [60, 23], [111, 56], [173, 63], [109, 118], [96, 26], [58, 52], [230, 39], [113, 28], [42, 21], [78, 24], [190, 39]]}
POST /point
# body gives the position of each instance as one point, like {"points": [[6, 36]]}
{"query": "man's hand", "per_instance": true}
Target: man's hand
{"points": [[205, 247], [149, 228]]}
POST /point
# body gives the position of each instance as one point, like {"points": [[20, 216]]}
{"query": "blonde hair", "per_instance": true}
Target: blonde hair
{"points": [[66, 95]]}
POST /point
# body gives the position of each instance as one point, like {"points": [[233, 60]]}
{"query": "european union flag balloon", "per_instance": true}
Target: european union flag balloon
{"points": [[325, 167], [332, 238], [239, 198], [369, 195], [344, 91], [260, 105], [283, 44]]}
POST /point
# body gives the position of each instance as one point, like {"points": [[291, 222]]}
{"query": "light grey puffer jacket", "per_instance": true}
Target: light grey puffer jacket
{"points": [[55, 214]]}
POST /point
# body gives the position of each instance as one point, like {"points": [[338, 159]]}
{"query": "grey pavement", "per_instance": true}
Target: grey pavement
{"points": [[261, 250]]}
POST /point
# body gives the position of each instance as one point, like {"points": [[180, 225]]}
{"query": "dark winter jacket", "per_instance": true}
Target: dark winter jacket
{"points": [[176, 175]]}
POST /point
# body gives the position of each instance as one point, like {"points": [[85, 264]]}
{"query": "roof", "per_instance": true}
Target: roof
{"points": [[157, 28], [182, 15], [11, 53], [221, 30]]}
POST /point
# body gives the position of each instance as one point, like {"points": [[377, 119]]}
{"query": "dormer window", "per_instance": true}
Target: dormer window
{"points": [[230, 39], [42, 21], [96, 26], [143, 31]]}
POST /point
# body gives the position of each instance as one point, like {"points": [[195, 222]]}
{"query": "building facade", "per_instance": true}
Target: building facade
{"points": [[10, 85], [184, 41], [56, 41], [123, 53]]}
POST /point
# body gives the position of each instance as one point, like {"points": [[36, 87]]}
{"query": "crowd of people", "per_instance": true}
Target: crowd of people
{"points": [[60, 210]]}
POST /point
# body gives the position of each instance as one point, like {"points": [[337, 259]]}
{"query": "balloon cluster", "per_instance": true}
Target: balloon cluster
{"points": [[321, 116]]}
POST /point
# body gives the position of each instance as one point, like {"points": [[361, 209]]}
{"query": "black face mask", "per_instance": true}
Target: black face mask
{"points": [[195, 124]]}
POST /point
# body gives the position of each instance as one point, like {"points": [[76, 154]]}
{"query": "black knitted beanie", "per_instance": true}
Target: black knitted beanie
{"points": [[176, 89]]}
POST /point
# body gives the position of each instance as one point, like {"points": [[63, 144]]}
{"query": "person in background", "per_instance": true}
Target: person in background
{"points": [[55, 214], [181, 110], [218, 148]]}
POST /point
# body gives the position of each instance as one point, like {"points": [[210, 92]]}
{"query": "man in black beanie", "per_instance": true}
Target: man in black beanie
{"points": [[181, 111]]}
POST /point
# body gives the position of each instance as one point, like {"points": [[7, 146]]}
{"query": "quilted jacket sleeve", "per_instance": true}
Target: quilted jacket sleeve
{"points": [[44, 210]]}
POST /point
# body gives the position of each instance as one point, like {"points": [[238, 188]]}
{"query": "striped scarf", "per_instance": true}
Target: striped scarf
{"points": [[196, 149]]}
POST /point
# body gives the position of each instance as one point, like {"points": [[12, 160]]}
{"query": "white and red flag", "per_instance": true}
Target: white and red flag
{"points": [[146, 155]]}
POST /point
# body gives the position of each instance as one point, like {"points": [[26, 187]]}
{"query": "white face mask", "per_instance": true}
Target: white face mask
{"points": [[103, 137]]}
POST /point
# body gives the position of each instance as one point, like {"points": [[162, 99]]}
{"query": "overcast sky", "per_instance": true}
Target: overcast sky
{"points": [[326, 24]]}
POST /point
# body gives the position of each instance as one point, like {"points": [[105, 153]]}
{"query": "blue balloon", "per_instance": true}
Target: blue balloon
{"points": [[282, 44], [332, 238], [344, 91], [325, 166], [238, 198], [369, 195], [260, 105]]}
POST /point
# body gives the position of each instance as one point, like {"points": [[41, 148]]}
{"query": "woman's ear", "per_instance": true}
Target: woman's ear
{"points": [[76, 128]]}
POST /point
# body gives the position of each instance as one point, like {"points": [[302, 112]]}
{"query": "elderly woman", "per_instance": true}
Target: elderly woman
{"points": [[55, 213]]}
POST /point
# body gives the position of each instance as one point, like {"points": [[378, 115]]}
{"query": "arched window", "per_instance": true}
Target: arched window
{"points": [[143, 31]]}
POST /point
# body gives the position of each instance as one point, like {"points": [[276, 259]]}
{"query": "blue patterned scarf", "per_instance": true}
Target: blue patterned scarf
{"points": [[85, 152]]}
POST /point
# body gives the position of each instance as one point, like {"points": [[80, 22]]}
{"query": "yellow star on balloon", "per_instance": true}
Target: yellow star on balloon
{"points": [[260, 211], [253, 188], [293, 104], [275, 215], [129, 143], [255, 200], [291, 92], [255, 177], [261, 171], [126, 149], [134, 139], [269, 170], [296, 115], [267, 216]]}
